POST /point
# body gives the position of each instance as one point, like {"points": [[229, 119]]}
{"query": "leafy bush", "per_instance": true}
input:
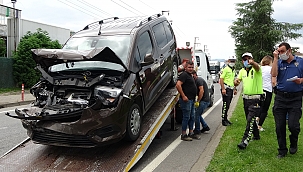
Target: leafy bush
{"points": [[2, 48], [24, 65]]}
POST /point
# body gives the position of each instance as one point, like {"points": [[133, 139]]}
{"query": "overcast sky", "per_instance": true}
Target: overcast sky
{"points": [[208, 20]]}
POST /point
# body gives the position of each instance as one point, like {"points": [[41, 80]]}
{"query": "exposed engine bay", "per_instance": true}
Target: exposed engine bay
{"points": [[69, 94]]}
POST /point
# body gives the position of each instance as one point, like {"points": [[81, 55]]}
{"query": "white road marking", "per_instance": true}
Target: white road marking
{"points": [[152, 165]]}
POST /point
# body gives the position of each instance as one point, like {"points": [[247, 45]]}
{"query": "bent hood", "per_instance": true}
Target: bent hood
{"points": [[49, 57]]}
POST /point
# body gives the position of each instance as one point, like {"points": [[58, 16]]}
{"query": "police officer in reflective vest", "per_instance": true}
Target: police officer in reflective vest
{"points": [[251, 75], [288, 70], [227, 87]]}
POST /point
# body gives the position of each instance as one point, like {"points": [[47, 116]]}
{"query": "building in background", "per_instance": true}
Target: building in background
{"points": [[13, 28]]}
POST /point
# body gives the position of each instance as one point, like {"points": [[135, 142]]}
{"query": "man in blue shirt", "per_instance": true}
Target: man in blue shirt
{"points": [[288, 100]]}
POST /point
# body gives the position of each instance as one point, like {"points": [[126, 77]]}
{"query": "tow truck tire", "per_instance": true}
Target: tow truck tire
{"points": [[174, 76], [178, 115], [134, 121]]}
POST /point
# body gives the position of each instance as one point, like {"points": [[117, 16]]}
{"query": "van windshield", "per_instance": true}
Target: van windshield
{"points": [[117, 43]]}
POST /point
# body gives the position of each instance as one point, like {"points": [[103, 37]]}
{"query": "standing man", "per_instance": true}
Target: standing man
{"points": [[251, 75], [201, 104], [187, 88], [227, 88], [288, 99]]}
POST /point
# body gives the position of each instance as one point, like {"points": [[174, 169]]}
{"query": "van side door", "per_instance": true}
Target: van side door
{"points": [[148, 73], [166, 50]]}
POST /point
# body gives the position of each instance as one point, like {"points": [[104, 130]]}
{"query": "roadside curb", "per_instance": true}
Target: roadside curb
{"points": [[5, 105]]}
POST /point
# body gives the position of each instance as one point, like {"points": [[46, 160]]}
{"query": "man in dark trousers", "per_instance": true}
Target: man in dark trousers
{"points": [[251, 75], [227, 87], [201, 104], [187, 88], [288, 69]]}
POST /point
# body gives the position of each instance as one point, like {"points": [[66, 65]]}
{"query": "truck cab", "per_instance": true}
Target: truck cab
{"points": [[214, 70]]}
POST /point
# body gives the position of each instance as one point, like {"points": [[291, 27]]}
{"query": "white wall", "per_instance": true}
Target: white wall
{"points": [[23, 26]]}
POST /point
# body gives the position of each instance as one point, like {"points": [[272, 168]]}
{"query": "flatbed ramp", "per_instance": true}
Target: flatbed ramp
{"points": [[121, 156]]}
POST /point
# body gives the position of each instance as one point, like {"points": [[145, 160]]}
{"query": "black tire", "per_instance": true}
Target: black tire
{"points": [[134, 122], [174, 76]]}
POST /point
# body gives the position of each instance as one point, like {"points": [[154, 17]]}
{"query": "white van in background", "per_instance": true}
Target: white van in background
{"points": [[203, 70]]}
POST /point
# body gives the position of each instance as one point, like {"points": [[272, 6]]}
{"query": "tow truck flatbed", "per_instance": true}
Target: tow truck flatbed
{"points": [[121, 156]]}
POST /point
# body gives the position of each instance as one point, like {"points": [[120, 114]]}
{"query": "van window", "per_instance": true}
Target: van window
{"points": [[144, 46], [160, 35], [168, 31], [198, 60]]}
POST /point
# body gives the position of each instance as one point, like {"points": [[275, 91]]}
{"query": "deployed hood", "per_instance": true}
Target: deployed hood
{"points": [[49, 57]]}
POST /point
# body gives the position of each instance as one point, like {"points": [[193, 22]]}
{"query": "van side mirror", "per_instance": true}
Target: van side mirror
{"points": [[148, 59]]}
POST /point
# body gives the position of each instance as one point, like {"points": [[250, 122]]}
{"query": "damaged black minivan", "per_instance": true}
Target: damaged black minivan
{"points": [[96, 89]]}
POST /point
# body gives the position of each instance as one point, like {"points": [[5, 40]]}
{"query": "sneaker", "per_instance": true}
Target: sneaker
{"points": [[205, 129], [242, 145], [225, 123], [185, 137], [195, 136]]}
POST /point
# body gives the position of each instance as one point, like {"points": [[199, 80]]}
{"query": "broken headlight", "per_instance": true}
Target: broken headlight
{"points": [[108, 95]]}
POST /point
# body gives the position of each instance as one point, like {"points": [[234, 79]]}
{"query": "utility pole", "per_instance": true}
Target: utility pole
{"points": [[14, 13], [195, 42], [205, 46]]}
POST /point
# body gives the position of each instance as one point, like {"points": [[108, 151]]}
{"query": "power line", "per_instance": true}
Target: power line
{"points": [[77, 8], [131, 7], [148, 5], [124, 7], [180, 30], [92, 6]]}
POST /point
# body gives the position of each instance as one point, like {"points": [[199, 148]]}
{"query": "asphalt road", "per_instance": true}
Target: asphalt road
{"points": [[167, 153], [12, 132]]}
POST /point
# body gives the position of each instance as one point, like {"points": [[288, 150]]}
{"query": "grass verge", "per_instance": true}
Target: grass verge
{"points": [[10, 90], [260, 155]]}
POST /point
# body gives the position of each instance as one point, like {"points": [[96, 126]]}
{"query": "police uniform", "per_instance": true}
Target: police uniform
{"points": [[252, 93], [228, 76], [288, 100]]}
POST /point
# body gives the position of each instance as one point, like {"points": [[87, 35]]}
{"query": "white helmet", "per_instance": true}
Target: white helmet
{"points": [[232, 58]]}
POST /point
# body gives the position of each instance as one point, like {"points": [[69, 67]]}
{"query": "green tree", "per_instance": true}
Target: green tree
{"points": [[257, 32], [24, 71], [2, 48]]}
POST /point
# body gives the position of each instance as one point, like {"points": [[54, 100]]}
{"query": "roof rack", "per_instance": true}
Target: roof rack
{"points": [[98, 23], [148, 19]]}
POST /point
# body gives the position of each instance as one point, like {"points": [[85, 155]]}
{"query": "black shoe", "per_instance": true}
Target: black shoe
{"points": [[205, 129], [256, 138], [293, 150], [195, 136], [242, 145], [281, 156], [185, 137], [229, 122], [225, 123]]}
